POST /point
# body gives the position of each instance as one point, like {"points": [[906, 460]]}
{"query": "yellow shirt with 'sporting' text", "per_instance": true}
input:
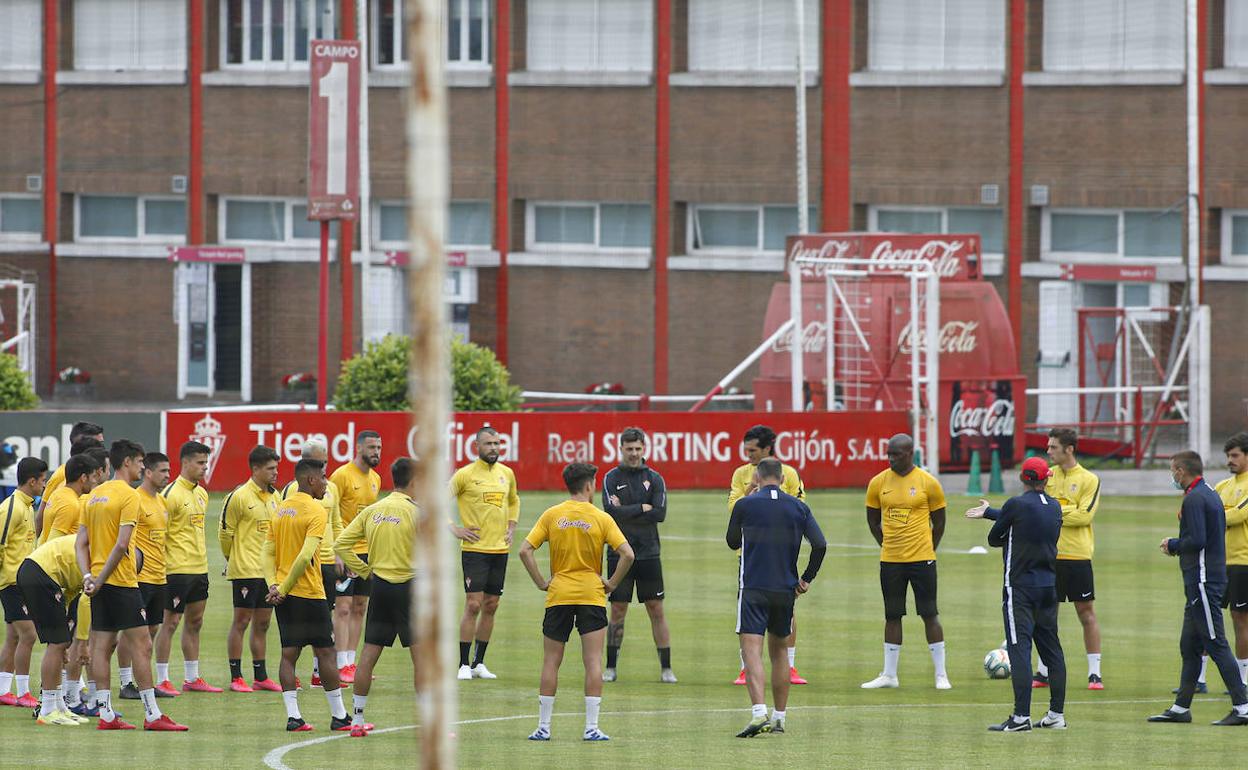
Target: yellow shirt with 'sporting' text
{"points": [[576, 532]]}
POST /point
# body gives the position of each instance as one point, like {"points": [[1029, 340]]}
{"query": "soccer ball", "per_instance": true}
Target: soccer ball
{"points": [[997, 664]]}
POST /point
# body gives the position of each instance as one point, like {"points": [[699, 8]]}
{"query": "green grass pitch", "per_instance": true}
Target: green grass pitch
{"points": [[691, 724]]}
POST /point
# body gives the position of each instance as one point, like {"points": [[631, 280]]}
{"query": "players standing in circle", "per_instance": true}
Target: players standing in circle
{"points": [[17, 540], [636, 497], [759, 443], [906, 516], [186, 549], [576, 531], [489, 509], [149, 541], [768, 526], [107, 558], [245, 521], [293, 572], [51, 579], [389, 528], [357, 485], [1078, 491]]}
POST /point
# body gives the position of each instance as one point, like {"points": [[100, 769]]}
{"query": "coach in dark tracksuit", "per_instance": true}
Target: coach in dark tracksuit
{"points": [[1026, 528], [1201, 548]]}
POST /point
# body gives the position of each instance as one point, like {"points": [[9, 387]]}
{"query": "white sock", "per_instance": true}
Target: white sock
{"points": [[150, 710], [592, 703], [545, 709], [1243, 669], [792, 656], [291, 699], [316, 666], [61, 705], [162, 672], [1242, 709], [47, 702], [351, 657], [777, 716], [192, 670], [938, 657], [1204, 664], [105, 700], [343, 660], [1176, 708], [358, 717], [64, 680], [23, 684], [1020, 718], [126, 675], [93, 695], [758, 710], [6, 682], [1042, 669], [891, 653], [336, 708], [1094, 664], [71, 695], [1053, 714]]}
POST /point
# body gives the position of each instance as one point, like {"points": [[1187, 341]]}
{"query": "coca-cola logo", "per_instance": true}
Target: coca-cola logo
{"points": [[814, 339], [943, 254], [954, 337], [990, 421]]}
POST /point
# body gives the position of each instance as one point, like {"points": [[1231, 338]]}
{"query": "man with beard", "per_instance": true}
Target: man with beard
{"points": [[489, 509], [357, 485]]}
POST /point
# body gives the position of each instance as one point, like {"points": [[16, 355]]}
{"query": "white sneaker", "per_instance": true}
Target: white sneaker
{"points": [[666, 675], [608, 675], [942, 683], [465, 672], [1052, 722], [481, 672], [879, 682]]}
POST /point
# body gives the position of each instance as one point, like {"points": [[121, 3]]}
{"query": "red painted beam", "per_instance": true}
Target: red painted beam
{"points": [[50, 192], [836, 54], [662, 186], [195, 171], [346, 229], [1014, 196], [502, 200]]}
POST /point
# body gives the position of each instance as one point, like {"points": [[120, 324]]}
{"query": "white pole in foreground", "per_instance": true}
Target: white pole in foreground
{"points": [[798, 352], [364, 233], [427, 185], [1197, 435], [931, 314]]}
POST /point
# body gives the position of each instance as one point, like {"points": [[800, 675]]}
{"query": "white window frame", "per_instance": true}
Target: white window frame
{"points": [[140, 222], [462, 63], [993, 261], [1229, 257], [448, 246], [20, 237], [532, 245], [288, 213], [691, 225], [1048, 255], [288, 62]]}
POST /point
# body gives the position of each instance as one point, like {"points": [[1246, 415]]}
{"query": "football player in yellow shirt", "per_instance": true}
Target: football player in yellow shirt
{"points": [[759, 443], [489, 509], [110, 575], [906, 516], [50, 580], [357, 485], [576, 592], [186, 562], [389, 528], [1234, 494], [82, 436], [17, 540], [244, 526], [62, 508], [293, 572]]}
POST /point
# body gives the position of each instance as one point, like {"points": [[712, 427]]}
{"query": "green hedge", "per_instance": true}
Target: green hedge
{"points": [[15, 391]]}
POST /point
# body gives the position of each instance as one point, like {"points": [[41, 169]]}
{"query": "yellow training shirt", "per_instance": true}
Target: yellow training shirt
{"points": [[488, 499], [244, 526], [333, 526], [791, 484], [111, 506], [55, 482], [356, 490], [298, 518], [1078, 491], [1234, 494], [576, 532], [60, 514], [186, 547], [149, 537], [389, 526], [17, 534], [906, 504], [58, 558]]}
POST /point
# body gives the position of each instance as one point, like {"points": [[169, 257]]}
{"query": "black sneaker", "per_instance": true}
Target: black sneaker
{"points": [[1011, 726], [1039, 680], [297, 726], [1232, 720], [757, 726], [1201, 689], [336, 724], [1171, 716], [130, 692]]}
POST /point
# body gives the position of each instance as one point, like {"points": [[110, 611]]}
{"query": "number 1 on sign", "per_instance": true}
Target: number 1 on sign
{"points": [[333, 88]]}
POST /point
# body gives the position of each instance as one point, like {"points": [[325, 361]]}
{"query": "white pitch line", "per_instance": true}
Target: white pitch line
{"points": [[275, 758]]}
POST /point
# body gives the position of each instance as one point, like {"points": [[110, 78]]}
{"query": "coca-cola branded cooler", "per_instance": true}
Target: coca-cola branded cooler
{"points": [[981, 388]]}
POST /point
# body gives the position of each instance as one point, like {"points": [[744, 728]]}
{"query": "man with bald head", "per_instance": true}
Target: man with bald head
{"points": [[906, 515]]}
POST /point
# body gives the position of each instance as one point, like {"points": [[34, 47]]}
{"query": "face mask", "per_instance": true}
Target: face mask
{"points": [[1176, 484]]}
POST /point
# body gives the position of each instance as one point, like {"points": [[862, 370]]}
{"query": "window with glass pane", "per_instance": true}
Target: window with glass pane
{"points": [[1136, 295], [164, 217], [469, 223], [467, 32], [589, 35], [936, 35], [563, 224], [1083, 233], [129, 35], [779, 222], [1152, 234], [108, 216], [904, 221], [726, 228], [274, 33], [749, 35], [1239, 235], [624, 226], [1236, 33], [20, 34], [255, 220], [21, 215], [1109, 35], [301, 228], [989, 223], [392, 222]]}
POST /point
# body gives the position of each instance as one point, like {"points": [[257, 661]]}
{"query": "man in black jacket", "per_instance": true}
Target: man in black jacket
{"points": [[1201, 548], [636, 497]]}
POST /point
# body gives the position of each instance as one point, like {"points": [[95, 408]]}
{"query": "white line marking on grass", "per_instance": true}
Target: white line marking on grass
{"points": [[275, 758]]}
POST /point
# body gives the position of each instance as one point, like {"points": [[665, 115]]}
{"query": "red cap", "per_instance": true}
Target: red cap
{"points": [[1035, 469]]}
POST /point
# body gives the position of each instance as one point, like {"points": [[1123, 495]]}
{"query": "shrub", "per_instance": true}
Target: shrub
{"points": [[479, 381], [15, 391]]}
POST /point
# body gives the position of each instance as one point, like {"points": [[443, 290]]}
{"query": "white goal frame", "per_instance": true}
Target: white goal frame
{"points": [[22, 343]]}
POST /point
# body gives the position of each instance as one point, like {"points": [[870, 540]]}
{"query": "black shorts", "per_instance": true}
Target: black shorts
{"points": [[305, 622], [14, 604], [45, 600], [1236, 598], [389, 614], [1074, 580], [920, 576], [646, 574], [153, 597], [329, 577], [760, 612], [249, 594], [557, 625], [116, 608], [484, 572], [182, 590], [357, 586]]}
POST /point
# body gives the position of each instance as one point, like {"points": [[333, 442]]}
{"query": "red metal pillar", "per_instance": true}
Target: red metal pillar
{"points": [[50, 193], [1014, 196], [322, 337], [836, 56], [195, 170], [1202, 63], [346, 229], [662, 186], [502, 201]]}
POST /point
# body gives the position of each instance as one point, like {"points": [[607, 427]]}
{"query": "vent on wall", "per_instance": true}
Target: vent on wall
{"points": [[989, 194], [1039, 195], [177, 184], [34, 183]]}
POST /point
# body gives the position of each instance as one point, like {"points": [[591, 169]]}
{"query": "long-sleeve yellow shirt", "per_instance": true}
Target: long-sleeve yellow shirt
{"points": [[1078, 491], [1234, 494], [388, 526], [244, 526]]}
